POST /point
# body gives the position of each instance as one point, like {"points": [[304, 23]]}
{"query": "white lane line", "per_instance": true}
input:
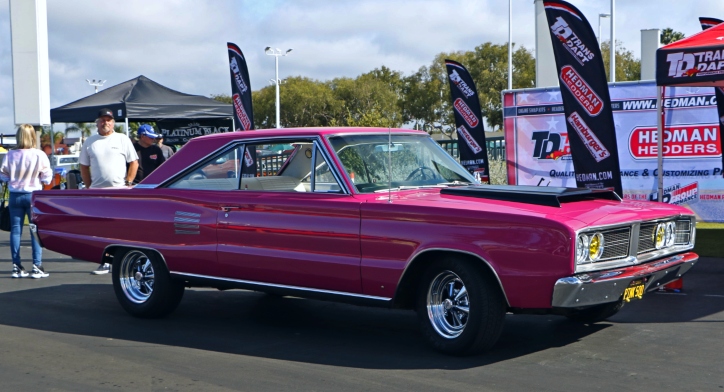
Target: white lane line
{"points": [[714, 295]]}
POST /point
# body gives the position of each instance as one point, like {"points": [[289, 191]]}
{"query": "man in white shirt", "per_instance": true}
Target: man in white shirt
{"points": [[107, 160]]}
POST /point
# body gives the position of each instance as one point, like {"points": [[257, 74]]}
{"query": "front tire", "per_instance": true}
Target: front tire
{"points": [[461, 309], [143, 285]]}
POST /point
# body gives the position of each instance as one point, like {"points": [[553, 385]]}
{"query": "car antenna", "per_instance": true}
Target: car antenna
{"points": [[389, 163]]}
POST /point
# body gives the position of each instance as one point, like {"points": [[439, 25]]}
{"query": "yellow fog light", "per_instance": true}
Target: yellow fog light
{"points": [[659, 235], [595, 247]]}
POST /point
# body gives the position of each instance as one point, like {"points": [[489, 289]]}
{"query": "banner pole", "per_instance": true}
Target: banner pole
{"points": [[660, 141]]}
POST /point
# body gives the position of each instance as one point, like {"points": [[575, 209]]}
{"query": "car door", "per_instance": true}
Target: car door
{"points": [[283, 225]]}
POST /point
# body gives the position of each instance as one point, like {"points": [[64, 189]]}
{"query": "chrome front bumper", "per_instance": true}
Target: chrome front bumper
{"points": [[596, 288]]}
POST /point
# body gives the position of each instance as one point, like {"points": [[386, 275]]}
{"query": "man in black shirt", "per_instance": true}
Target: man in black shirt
{"points": [[150, 155]]}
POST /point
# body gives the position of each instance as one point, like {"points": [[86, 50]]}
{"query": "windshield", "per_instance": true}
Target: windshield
{"points": [[416, 161]]}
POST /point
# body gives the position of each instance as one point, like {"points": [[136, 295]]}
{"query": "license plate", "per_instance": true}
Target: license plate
{"points": [[634, 290]]}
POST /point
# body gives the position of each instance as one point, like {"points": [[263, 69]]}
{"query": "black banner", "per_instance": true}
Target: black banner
{"points": [[240, 89], [705, 24], [709, 22], [468, 121], [178, 132], [241, 98], [586, 101]]}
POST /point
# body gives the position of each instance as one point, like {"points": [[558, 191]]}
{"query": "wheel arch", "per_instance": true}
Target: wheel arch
{"points": [[111, 250], [405, 293]]}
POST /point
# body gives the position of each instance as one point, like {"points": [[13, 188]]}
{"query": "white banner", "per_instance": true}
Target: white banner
{"points": [[538, 152]]}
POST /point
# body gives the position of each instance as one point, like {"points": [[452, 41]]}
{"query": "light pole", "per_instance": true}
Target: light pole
{"points": [[599, 26], [96, 83], [276, 52]]}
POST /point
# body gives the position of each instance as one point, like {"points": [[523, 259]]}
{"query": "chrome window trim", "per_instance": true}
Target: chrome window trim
{"points": [[314, 139]]}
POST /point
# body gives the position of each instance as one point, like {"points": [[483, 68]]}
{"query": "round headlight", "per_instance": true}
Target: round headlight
{"points": [[582, 249], [670, 234], [659, 235], [595, 247]]}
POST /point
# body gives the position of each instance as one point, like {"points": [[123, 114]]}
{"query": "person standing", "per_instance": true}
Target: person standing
{"points": [[149, 153], [24, 169], [107, 160], [167, 150]]}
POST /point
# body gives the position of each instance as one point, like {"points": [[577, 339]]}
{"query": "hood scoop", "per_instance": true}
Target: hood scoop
{"points": [[541, 195]]}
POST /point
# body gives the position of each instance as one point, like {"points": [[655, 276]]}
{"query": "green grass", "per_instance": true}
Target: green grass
{"points": [[709, 239]]}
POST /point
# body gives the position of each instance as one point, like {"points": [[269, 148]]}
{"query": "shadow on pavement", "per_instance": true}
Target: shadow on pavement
{"points": [[256, 324], [310, 331]]}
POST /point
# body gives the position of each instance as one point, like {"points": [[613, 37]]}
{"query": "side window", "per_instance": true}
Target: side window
{"points": [[324, 180], [267, 166], [279, 166], [221, 172]]}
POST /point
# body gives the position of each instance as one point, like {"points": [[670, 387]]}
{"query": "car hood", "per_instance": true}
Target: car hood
{"points": [[575, 212]]}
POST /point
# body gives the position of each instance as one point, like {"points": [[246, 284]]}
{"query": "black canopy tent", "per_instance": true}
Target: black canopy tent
{"points": [[697, 60], [141, 99]]}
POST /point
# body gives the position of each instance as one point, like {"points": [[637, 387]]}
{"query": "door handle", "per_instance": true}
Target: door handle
{"points": [[227, 209]]}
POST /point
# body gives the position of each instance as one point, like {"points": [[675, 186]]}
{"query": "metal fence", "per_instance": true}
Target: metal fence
{"points": [[496, 147], [270, 165]]}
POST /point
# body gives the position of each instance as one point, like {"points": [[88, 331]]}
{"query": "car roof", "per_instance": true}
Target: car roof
{"points": [[199, 147]]}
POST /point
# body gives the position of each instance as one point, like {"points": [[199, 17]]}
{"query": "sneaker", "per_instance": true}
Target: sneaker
{"points": [[19, 271], [102, 269], [39, 272]]}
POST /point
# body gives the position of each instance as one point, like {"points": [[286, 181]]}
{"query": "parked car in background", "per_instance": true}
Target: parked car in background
{"points": [[69, 162], [369, 216]]}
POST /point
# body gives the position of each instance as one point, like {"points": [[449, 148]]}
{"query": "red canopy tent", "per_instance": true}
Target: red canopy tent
{"points": [[697, 60]]}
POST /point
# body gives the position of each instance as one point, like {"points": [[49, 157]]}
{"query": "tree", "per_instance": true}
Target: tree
{"points": [[628, 68], [304, 102], [371, 99], [225, 98], [668, 35]]}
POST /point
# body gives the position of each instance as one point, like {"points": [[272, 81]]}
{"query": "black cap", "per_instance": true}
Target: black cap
{"points": [[105, 112]]}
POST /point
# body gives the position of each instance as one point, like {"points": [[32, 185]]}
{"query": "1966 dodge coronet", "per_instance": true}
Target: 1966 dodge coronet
{"points": [[368, 216]]}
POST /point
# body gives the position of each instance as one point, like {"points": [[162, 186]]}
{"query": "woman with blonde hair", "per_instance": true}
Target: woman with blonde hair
{"points": [[24, 168]]}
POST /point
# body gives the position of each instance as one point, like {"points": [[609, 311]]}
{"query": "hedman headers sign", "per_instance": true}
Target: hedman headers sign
{"points": [[586, 101], [468, 121]]}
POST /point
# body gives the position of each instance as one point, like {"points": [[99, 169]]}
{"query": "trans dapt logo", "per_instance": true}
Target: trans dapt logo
{"points": [[704, 63], [237, 76], [551, 145], [571, 42], [460, 83]]}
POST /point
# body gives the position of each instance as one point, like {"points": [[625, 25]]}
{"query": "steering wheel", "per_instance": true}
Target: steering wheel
{"points": [[421, 171]]}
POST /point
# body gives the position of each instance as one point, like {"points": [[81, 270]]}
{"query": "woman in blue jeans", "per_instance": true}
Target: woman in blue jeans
{"points": [[23, 169]]}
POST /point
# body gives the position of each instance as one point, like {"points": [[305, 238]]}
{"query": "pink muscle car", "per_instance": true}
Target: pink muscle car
{"points": [[372, 217]]}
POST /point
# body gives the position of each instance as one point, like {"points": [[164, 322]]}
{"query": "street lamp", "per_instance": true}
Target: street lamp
{"points": [[276, 52], [599, 26], [96, 83]]}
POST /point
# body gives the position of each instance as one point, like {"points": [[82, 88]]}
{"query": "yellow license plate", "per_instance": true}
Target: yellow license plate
{"points": [[633, 291]]}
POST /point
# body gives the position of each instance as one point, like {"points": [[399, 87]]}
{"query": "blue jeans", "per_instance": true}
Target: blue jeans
{"points": [[19, 209]]}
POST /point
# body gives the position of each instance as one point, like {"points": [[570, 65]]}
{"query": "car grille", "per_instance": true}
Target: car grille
{"points": [[646, 237], [616, 243], [635, 243]]}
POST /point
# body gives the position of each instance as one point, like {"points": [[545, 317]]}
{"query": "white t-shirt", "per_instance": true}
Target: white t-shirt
{"points": [[107, 157]]}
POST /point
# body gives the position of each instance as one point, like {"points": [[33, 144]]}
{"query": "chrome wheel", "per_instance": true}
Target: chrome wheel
{"points": [[448, 305], [136, 276]]}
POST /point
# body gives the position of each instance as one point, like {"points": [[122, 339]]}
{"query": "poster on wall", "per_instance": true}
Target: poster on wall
{"points": [[178, 132], [538, 148]]}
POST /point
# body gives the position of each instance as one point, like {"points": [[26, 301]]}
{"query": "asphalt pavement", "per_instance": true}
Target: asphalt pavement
{"points": [[68, 333]]}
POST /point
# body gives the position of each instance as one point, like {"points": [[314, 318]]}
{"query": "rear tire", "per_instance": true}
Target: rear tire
{"points": [[461, 310], [143, 285], [596, 313]]}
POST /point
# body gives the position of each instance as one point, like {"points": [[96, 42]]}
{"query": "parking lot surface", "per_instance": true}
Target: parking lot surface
{"points": [[67, 332]]}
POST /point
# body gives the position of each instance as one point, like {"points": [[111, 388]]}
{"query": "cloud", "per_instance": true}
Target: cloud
{"points": [[181, 44]]}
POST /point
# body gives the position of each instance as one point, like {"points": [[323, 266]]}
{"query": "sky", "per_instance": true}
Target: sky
{"points": [[181, 44]]}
